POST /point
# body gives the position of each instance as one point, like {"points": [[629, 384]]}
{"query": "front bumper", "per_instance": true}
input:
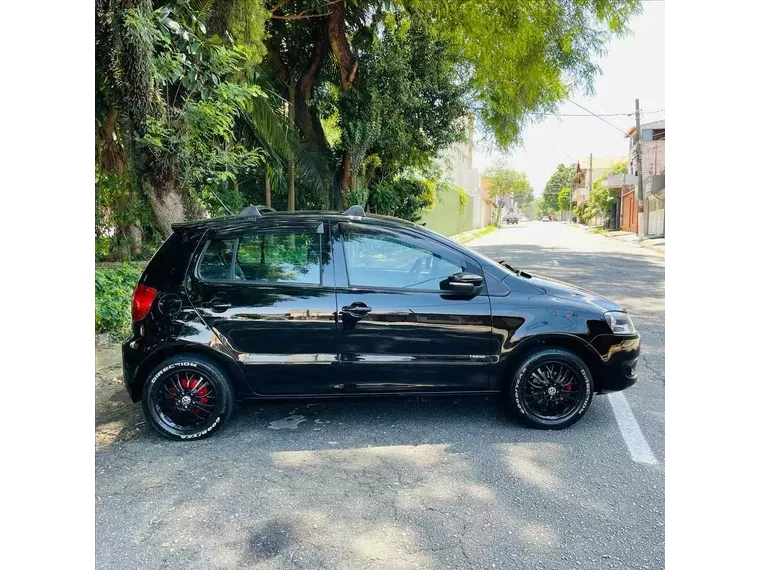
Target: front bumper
{"points": [[620, 355]]}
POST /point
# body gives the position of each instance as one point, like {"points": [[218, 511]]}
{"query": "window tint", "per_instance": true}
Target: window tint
{"points": [[382, 261], [279, 258], [217, 260]]}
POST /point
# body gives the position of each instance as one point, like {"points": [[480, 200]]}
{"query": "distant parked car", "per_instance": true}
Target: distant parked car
{"points": [[546, 219], [523, 219], [512, 219]]}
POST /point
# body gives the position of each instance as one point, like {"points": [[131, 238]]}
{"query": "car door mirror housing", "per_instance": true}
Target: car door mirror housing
{"points": [[462, 283]]}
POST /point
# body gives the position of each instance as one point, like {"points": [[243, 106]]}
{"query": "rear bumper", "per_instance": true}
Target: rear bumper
{"points": [[620, 356], [131, 357]]}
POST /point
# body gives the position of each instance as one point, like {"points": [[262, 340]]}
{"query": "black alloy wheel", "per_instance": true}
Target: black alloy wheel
{"points": [[552, 389], [187, 397]]}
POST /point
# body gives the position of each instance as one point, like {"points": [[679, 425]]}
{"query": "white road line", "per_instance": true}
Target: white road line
{"points": [[630, 430]]}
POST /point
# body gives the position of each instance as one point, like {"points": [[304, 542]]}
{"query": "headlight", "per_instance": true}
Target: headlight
{"points": [[620, 323]]}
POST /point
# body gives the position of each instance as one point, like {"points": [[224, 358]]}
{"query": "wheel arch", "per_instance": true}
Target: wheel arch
{"points": [[571, 343], [227, 364]]}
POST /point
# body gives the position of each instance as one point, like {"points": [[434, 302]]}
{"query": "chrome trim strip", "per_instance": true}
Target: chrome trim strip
{"points": [[318, 358]]}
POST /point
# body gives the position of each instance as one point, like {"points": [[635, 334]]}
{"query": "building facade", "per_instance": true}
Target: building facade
{"points": [[584, 180], [653, 175]]}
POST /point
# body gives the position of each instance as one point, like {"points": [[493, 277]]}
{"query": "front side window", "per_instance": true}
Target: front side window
{"points": [[387, 262], [289, 257]]}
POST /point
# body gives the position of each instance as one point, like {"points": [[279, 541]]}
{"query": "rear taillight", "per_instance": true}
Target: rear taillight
{"points": [[141, 301]]}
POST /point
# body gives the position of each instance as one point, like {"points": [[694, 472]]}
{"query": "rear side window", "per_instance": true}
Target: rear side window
{"points": [[288, 257], [217, 260]]}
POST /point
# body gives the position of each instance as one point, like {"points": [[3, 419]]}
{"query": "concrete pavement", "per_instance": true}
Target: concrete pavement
{"points": [[405, 484]]}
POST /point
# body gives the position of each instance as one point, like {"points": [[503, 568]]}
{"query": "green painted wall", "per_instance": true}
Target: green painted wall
{"points": [[445, 217]]}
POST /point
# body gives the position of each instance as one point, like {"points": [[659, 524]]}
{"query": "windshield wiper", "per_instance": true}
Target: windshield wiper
{"points": [[503, 262]]}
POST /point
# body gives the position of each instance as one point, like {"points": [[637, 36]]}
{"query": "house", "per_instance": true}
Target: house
{"points": [[583, 182], [653, 173]]}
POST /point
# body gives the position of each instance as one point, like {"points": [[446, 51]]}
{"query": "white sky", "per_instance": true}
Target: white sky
{"points": [[633, 67]]}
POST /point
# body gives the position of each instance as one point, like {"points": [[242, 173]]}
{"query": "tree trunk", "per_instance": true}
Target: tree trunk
{"points": [[346, 179], [167, 202], [267, 190], [347, 66], [291, 158]]}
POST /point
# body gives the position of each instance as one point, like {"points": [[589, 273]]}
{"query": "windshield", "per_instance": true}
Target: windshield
{"points": [[482, 259]]}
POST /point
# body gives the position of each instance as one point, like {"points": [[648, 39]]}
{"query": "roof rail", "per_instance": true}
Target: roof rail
{"points": [[250, 212], [355, 210], [265, 209]]}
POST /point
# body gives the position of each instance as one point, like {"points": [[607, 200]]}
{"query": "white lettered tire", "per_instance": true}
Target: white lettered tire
{"points": [[551, 388], [187, 397]]}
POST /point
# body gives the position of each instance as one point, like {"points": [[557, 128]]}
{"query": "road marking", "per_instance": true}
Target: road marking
{"points": [[555, 262], [630, 430]]}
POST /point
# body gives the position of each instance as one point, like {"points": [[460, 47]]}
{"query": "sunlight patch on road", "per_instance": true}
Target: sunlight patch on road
{"points": [[530, 462]]}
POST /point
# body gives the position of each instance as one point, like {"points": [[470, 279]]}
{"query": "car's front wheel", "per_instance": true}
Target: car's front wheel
{"points": [[550, 389], [187, 397]]}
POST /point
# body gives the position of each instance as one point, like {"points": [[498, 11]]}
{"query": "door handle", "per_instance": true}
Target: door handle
{"points": [[219, 306], [356, 310]]}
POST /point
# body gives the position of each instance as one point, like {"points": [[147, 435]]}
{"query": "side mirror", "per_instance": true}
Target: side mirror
{"points": [[462, 283]]}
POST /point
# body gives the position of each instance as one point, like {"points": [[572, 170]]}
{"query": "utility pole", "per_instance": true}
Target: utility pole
{"points": [[640, 178], [590, 176]]}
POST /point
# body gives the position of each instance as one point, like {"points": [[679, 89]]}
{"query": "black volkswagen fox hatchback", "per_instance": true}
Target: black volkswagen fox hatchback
{"points": [[327, 305]]}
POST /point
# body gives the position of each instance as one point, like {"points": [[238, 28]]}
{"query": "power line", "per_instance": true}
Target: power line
{"points": [[598, 117]]}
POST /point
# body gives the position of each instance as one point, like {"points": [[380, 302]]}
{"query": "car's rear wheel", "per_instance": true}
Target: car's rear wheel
{"points": [[550, 389], [187, 397]]}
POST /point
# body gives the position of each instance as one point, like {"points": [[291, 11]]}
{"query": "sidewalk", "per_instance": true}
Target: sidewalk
{"points": [[656, 244]]}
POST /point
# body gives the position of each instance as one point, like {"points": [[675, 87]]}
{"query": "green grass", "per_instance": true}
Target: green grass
{"points": [[472, 234], [113, 299]]}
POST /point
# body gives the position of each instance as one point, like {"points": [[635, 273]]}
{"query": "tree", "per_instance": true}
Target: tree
{"points": [[190, 120], [564, 199], [562, 177], [620, 167], [548, 45], [504, 184], [174, 92], [520, 59], [599, 201]]}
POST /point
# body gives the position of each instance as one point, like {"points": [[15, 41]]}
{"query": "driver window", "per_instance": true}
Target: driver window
{"points": [[384, 261]]}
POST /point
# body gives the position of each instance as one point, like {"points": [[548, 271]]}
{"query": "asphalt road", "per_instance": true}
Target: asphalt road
{"points": [[406, 484]]}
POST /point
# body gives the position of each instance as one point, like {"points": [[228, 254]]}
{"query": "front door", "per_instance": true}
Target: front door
{"points": [[397, 330], [268, 294]]}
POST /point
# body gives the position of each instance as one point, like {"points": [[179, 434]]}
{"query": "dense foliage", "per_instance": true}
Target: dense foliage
{"points": [[205, 105], [113, 297], [565, 199], [561, 178]]}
